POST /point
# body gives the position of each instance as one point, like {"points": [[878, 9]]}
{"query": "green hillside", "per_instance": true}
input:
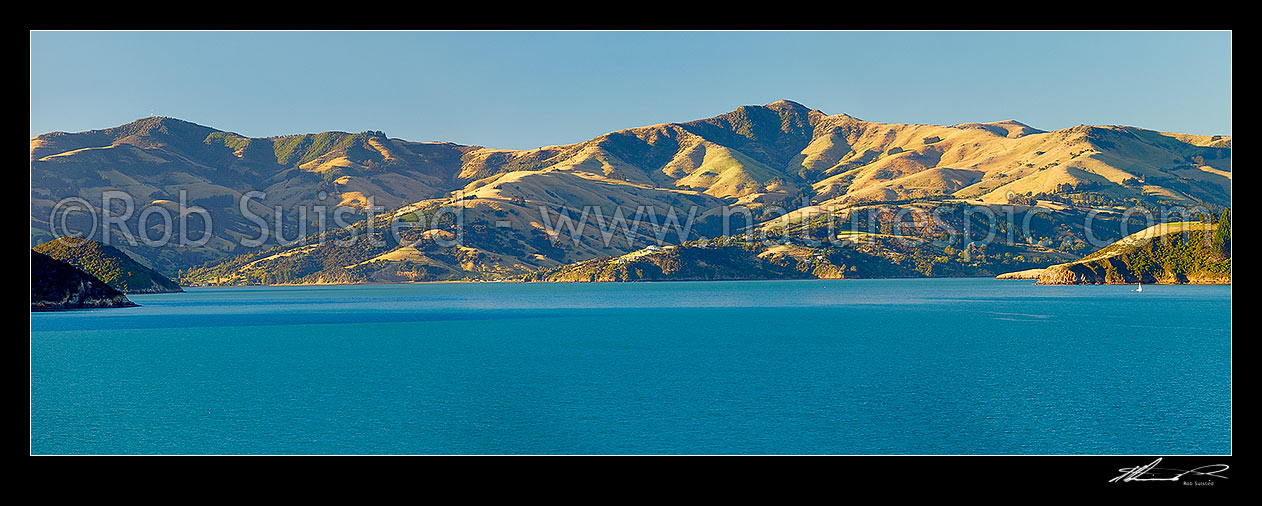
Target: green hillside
{"points": [[108, 264], [56, 285], [862, 256], [1182, 252]]}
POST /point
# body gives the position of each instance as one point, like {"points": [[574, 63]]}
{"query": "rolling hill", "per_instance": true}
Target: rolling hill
{"points": [[56, 285], [769, 159], [108, 264], [1172, 253]]}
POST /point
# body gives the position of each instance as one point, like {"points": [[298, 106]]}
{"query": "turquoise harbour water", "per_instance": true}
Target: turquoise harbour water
{"points": [[931, 366]]}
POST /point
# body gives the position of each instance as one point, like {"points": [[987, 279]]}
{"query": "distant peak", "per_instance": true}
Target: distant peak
{"points": [[165, 124], [1012, 122], [160, 120], [1010, 128], [786, 104]]}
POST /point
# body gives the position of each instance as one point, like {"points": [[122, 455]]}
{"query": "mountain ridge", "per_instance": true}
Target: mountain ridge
{"points": [[781, 154]]}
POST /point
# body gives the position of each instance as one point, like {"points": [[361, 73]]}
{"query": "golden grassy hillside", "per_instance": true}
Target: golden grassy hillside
{"points": [[781, 154]]}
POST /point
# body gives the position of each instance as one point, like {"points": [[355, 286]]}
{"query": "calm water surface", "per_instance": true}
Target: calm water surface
{"points": [[937, 366]]}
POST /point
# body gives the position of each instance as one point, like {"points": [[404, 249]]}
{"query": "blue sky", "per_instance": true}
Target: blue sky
{"points": [[529, 89]]}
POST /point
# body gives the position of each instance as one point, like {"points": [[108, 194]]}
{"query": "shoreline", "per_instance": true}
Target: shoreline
{"points": [[382, 283], [62, 308], [1162, 283]]}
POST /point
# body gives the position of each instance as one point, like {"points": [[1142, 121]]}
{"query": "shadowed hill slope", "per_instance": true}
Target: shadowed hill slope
{"points": [[108, 264], [57, 285]]}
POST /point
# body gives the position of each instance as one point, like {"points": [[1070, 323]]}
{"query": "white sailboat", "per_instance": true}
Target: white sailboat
{"points": [[1139, 288]]}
